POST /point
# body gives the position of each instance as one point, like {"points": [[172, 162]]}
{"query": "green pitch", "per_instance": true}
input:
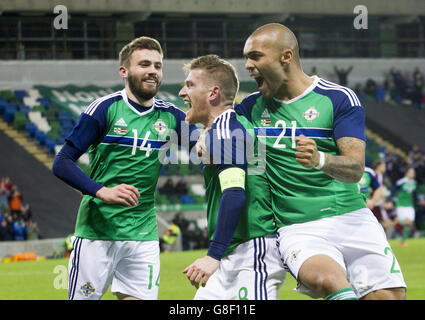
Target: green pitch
{"points": [[47, 279]]}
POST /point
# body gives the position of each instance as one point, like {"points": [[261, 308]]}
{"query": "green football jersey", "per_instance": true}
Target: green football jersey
{"points": [[325, 112], [257, 217], [131, 141], [368, 183], [405, 189]]}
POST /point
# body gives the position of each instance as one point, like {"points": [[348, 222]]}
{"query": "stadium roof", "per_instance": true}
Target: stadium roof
{"points": [[346, 7]]}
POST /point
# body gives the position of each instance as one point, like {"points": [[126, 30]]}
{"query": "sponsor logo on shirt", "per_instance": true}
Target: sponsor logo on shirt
{"points": [[120, 130], [265, 114], [120, 123], [265, 122]]}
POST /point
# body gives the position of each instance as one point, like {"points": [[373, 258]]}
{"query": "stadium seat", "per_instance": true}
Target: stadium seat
{"points": [[20, 94], [50, 144], [66, 123], [20, 120], [3, 105], [7, 94], [24, 108], [9, 113], [45, 102], [41, 137], [31, 129], [31, 101], [40, 122]]}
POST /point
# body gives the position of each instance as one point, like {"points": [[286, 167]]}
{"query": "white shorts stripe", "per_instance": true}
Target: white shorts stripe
{"points": [[73, 274]]}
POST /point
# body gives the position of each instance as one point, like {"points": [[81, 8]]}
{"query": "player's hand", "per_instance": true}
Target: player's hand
{"points": [[370, 204], [124, 194], [388, 205], [201, 270], [306, 152], [201, 148]]}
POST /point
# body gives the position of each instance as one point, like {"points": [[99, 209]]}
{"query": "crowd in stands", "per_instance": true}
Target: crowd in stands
{"points": [[193, 237], [397, 88], [176, 192], [16, 221]]}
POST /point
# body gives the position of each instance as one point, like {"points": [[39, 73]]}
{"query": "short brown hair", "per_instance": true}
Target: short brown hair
{"points": [[220, 71], [138, 43]]}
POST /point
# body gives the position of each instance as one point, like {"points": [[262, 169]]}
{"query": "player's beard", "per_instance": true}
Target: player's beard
{"points": [[136, 87]]}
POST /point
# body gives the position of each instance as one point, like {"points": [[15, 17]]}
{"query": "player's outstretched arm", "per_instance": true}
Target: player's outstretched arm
{"points": [[347, 167]]}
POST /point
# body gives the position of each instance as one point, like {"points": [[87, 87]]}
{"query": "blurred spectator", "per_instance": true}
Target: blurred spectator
{"points": [[420, 171], [33, 232], [169, 237], [15, 217], [370, 90], [26, 212], [6, 229], [399, 85], [358, 89], [181, 187], [396, 166], [15, 201], [167, 188], [204, 241], [4, 195], [8, 185], [183, 224], [342, 75], [415, 156], [19, 230], [418, 84]]}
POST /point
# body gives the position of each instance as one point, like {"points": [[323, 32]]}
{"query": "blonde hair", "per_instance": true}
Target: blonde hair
{"points": [[219, 71], [138, 43]]}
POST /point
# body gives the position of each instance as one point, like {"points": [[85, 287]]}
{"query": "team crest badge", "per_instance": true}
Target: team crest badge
{"points": [[160, 126], [294, 255], [87, 289], [311, 114]]}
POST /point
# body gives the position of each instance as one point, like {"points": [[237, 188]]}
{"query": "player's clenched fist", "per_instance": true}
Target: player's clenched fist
{"points": [[306, 152], [125, 194]]}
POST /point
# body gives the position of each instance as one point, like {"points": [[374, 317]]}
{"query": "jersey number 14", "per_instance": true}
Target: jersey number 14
{"points": [[145, 146]]}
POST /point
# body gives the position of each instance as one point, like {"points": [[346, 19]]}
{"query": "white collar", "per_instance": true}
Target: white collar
{"points": [[306, 91]]}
